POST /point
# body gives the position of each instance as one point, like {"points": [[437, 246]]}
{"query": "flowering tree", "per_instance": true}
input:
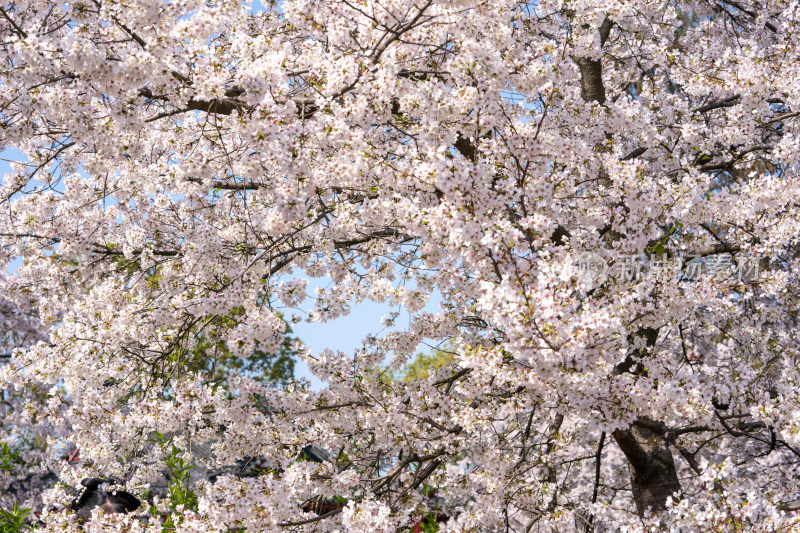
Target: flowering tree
{"points": [[195, 160], [23, 435]]}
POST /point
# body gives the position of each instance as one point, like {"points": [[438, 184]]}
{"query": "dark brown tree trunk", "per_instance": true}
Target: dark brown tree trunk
{"points": [[653, 475]]}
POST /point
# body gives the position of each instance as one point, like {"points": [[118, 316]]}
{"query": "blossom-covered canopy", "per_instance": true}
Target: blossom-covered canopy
{"points": [[191, 165]]}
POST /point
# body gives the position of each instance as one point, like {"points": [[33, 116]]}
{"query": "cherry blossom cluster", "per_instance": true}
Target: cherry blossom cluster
{"points": [[190, 166]]}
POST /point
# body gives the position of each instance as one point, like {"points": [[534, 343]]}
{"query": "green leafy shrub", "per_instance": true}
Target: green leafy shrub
{"points": [[15, 520]]}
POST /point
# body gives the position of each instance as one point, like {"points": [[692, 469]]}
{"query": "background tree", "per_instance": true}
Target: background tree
{"points": [[212, 357], [191, 165], [423, 364]]}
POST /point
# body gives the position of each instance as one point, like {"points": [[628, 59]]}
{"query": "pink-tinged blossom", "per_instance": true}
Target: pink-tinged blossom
{"points": [[191, 165]]}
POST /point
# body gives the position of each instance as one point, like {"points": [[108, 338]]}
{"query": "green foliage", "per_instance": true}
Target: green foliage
{"points": [[426, 525], [421, 367], [209, 353], [8, 458], [15, 520], [429, 524], [181, 497], [659, 246], [212, 356], [179, 492]]}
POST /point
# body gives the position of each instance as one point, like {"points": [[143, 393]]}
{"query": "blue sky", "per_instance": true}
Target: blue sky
{"points": [[345, 333]]}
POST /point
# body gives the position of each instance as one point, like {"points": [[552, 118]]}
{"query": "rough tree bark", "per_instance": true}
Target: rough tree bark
{"points": [[653, 475]]}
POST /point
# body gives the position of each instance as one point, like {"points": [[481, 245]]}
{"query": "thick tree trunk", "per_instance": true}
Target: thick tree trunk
{"points": [[653, 475], [592, 88]]}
